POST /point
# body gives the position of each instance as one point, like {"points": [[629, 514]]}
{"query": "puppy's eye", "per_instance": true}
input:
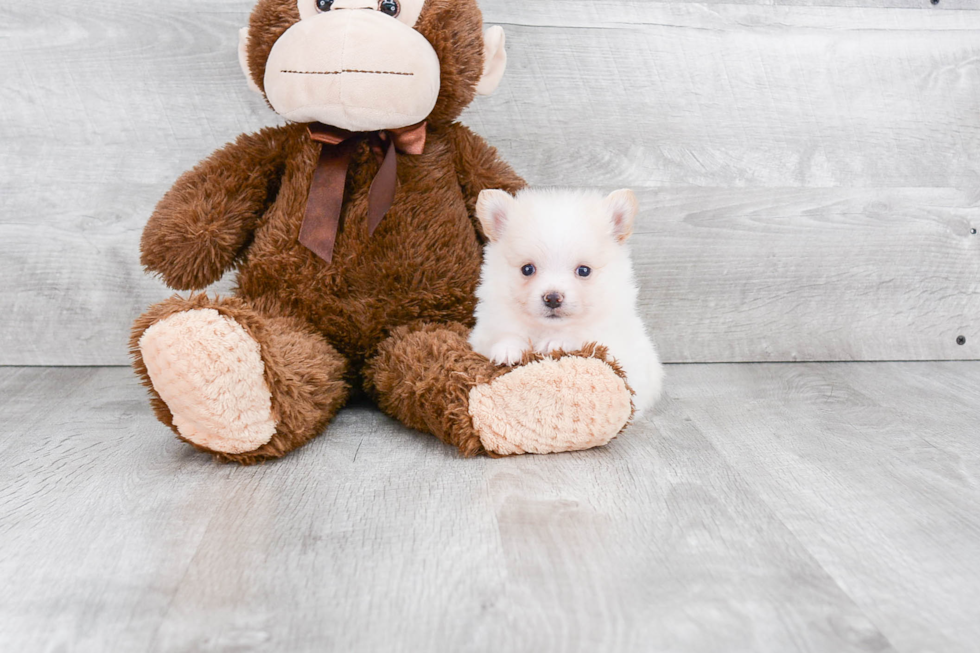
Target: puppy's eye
{"points": [[584, 271], [528, 270], [390, 7], [324, 5]]}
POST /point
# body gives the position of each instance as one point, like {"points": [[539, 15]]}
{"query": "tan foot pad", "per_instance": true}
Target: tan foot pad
{"points": [[210, 373], [551, 406]]}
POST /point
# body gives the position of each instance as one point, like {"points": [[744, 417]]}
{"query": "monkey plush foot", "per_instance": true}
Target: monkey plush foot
{"points": [[552, 405], [209, 371]]}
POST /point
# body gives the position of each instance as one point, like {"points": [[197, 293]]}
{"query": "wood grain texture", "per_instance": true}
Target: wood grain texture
{"points": [[876, 471], [811, 170], [737, 96], [823, 274], [604, 5], [762, 508], [925, 5], [103, 107]]}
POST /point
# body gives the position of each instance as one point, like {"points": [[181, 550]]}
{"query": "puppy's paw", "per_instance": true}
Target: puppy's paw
{"points": [[551, 346], [508, 352]]}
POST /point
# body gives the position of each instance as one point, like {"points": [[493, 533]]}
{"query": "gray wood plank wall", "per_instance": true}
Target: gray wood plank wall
{"points": [[809, 170]]}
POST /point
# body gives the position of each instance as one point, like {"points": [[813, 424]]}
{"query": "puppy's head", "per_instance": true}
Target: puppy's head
{"points": [[559, 256]]}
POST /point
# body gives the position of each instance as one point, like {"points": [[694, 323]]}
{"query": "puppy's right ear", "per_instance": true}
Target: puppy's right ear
{"points": [[493, 210]]}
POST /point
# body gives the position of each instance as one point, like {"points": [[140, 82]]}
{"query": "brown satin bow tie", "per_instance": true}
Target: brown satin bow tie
{"points": [[323, 208]]}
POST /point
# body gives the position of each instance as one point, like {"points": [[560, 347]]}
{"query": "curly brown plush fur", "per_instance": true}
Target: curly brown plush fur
{"points": [[390, 315], [318, 325], [307, 377], [408, 380]]}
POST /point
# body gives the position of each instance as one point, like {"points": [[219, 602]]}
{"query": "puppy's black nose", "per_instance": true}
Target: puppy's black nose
{"points": [[553, 300]]}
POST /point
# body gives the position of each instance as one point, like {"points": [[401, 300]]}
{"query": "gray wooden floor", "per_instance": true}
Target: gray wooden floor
{"points": [[798, 507]]}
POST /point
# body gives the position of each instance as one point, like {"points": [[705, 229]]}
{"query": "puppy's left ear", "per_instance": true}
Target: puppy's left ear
{"points": [[494, 60], [493, 210], [622, 207]]}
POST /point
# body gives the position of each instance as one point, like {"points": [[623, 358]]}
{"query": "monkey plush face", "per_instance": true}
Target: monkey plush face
{"points": [[367, 65]]}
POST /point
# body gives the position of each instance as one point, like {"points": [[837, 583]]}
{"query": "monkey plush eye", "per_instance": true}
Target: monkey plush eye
{"points": [[324, 5], [390, 7], [584, 271], [528, 270]]}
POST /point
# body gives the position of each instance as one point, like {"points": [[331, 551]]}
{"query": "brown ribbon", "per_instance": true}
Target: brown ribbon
{"points": [[325, 204]]}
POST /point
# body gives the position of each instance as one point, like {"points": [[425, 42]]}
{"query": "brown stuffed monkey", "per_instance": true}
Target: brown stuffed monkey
{"points": [[357, 249]]}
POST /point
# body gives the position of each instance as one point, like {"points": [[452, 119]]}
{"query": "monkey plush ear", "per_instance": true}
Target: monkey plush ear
{"points": [[243, 59], [494, 60], [493, 210], [623, 208]]}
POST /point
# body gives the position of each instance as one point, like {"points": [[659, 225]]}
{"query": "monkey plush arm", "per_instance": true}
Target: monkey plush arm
{"points": [[480, 168], [205, 222]]}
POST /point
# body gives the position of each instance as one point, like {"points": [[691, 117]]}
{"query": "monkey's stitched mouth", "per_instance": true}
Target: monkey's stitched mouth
{"points": [[346, 71]]}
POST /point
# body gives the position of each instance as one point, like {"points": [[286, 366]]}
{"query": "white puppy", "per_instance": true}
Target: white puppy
{"points": [[557, 275]]}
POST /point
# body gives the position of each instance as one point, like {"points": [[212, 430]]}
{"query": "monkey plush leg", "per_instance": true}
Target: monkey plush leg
{"points": [[559, 402], [431, 380], [235, 383]]}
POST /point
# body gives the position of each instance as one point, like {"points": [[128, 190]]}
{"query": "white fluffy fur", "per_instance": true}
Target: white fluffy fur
{"points": [[559, 231]]}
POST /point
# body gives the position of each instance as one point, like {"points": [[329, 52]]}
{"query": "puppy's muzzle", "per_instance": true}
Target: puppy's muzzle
{"points": [[553, 300]]}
